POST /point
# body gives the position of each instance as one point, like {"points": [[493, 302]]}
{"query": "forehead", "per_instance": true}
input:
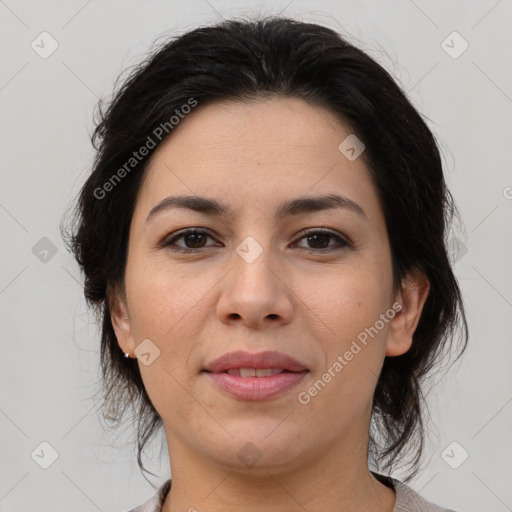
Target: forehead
{"points": [[255, 151], [256, 131]]}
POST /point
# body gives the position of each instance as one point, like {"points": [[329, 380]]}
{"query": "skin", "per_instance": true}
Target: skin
{"points": [[293, 298]]}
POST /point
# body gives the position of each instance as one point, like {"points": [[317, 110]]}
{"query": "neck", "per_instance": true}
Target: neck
{"points": [[331, 482]]}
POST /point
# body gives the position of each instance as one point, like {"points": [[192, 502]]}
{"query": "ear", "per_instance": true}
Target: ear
{"points": [[121, 322], [412, 296]]}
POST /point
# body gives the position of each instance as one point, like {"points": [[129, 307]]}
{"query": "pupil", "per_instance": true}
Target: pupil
{"points": [[197, 236], [318, 236]]}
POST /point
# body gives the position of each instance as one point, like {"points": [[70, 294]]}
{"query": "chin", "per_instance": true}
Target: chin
{"points": [[258, 451]]}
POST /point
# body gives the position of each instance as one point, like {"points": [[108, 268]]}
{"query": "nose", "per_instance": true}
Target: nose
{"points": [[256, 294]]}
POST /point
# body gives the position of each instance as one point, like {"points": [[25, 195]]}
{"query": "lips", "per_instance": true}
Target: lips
{"points": [[274, 361], [261, 376]]}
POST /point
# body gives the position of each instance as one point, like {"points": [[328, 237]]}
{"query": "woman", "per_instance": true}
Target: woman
{"points": [[263, 235]]}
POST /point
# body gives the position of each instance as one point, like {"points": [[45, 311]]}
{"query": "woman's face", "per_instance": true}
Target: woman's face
{"points": [[253, 280]]}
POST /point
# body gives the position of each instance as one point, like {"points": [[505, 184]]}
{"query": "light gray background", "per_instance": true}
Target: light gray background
{"points": [[50, 365]]}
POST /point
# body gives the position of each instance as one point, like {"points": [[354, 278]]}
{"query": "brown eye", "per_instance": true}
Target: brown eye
{"points": [[192, 239], [320, 240]]}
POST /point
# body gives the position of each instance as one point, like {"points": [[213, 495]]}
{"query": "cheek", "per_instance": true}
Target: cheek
{"points": [[171, 310], [160, 296], [347, 299], [164, 308], [347, 309]]}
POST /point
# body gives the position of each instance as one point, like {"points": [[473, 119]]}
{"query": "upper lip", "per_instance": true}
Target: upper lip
{"points": [[241, 359]]}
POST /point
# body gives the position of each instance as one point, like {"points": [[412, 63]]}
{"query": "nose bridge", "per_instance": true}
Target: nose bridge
{"points": [[253, 265], [255, 291]]}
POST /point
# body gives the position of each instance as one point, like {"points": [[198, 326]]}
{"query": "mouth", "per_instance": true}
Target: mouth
{"points": [[254, 372], [268, 361], [259, 376]]}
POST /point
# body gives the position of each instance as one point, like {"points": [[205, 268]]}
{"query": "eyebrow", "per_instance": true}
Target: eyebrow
{"points": [[291, 207]]}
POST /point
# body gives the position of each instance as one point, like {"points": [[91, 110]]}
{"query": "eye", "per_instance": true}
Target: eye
{"points": [[319, 240], [193, 239]]}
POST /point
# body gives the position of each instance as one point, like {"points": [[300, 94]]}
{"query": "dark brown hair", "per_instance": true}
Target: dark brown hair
{"points": [[242, 60]]}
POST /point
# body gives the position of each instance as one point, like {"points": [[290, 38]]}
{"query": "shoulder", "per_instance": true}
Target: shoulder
{"points": [[154, 504], [408, 500]]}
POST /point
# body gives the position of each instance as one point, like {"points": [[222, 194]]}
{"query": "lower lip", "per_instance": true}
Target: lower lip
{"points": [[256, 388]]}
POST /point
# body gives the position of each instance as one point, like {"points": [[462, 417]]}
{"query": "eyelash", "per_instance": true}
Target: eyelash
{"points": [[169, 241]]}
